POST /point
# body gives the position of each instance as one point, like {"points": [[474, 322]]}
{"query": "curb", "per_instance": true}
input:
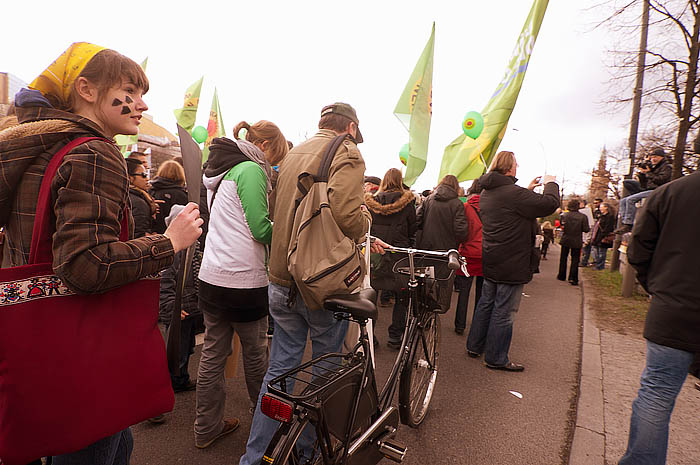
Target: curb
{"points": [[588, 446]]}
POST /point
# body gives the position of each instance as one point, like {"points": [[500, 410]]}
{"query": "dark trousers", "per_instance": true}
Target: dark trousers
{"points": [[398, 318], [181, 377], [464, 286], [573, 270]]}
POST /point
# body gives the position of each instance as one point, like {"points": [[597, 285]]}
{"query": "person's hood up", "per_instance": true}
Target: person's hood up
{"points": [[495, 179], [443, 193], [388, 203], [164, 183], [41, 128], [474, 201]]}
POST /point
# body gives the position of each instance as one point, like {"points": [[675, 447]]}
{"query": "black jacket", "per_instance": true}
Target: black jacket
{"points": [[171, 194], [508, 216], [168, 280], [665, 251], [658, 175], [606, 225], [441, 221], [141, 211], [574, 225], [394, 222]]}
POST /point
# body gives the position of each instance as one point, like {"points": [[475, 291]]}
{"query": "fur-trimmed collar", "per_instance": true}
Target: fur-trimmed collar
{"points": [[37, 127], [390, 208]]}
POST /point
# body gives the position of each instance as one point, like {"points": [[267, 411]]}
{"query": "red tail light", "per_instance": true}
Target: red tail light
{"points": [[276, 408]]}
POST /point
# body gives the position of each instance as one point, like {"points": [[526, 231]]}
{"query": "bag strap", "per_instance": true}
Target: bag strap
{"points": [[42, 234], [323, 169]]}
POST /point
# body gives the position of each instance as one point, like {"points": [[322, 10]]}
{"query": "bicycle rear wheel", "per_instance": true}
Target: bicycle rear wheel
{"points": [[418, 376]]}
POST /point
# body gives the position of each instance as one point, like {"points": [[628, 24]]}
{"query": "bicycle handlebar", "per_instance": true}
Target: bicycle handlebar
{"points": [[454, 259]]}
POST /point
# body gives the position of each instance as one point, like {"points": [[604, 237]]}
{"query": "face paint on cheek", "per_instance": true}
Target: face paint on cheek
{"points": [[126, 110], [128, 99], [116, 102]]}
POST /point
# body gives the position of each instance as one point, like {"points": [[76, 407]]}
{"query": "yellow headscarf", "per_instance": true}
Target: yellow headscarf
{"points": [[58, 78]]}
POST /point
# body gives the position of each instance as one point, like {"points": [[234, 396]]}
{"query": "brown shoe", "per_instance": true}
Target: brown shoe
{"points": [[510, 366], [229, 427]]}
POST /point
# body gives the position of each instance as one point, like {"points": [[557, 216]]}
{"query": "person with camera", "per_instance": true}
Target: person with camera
{"points": [[652, 172]]}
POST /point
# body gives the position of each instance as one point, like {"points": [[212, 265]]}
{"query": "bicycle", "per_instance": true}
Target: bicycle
{"points": [[339, 401]]}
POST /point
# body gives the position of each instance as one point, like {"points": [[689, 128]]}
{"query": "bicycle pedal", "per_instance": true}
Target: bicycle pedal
{"points": [[392, 450]]}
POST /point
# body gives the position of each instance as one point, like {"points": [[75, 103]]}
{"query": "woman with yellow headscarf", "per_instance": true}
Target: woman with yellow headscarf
{"points": [[95, 92]]}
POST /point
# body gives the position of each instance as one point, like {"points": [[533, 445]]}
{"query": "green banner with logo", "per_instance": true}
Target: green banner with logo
{"points": [[187, 115]]}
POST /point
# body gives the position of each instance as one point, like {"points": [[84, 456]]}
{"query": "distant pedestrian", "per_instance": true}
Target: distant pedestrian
{"points": [[574, 224], [548, 235], [603, 236], [587, 246], [470, 249], [143, 207], [665, 251], [509, 216], [168, 187]]}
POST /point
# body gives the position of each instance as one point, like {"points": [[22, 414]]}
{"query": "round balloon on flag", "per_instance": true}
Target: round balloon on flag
{"points": [[200, 134], [473, 124], [403, 154]]}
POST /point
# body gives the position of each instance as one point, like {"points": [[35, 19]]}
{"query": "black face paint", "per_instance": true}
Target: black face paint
{"points": [[128, 99], [125, 110], [116, 102]]}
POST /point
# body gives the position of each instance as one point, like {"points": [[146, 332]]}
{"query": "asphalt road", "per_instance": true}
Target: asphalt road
{"points": [[473, 417]]}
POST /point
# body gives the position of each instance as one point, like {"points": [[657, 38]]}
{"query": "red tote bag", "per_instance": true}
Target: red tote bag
{"points": [[74, 368]]}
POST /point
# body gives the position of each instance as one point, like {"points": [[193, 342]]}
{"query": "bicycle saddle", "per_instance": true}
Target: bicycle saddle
{"points": [[360, 305]]}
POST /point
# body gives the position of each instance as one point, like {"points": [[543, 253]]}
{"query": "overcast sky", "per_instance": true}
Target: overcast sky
{"points": [[282, 61]]}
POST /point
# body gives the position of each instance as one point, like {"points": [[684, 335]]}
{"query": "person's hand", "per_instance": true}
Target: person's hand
{"points": [[378, 246], [183, 314], [185, 228], [158, 204], [644, 169], [534, 183]]}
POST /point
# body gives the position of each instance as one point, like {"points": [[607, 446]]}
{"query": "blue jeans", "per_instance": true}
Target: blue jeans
{"points": [[599, 255], [112, 450], [585, 254], [492, 325], [661, 381], [628, 209], [292, 326], [464, 284]]}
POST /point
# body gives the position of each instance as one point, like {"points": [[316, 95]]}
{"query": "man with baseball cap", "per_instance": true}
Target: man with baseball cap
{"points": [[293, 320]]}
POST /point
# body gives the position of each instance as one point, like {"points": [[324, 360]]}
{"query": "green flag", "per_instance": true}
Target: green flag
{"points": [[414, 110], [467, 158], [144, 64], [215, 127], [188, 113]]}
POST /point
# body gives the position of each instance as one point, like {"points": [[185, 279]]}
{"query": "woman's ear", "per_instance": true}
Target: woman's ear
{"points": [[85, 90]]}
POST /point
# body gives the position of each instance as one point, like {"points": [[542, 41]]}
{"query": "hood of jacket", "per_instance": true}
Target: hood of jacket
{"points": [[40, 130], [165, 183], [224, 154], [388, 203], [443, 192], [474, 201], [495, 179]]}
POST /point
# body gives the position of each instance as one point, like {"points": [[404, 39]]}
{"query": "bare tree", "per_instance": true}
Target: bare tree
{"points": [[671, 72]]}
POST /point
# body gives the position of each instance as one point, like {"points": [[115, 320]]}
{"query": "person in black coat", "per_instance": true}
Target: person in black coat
{"points": [[143, 208], [602, 237], [168, 189], [509, 217], [574, 224], [393, 221], [442, 225], [665, 252]]}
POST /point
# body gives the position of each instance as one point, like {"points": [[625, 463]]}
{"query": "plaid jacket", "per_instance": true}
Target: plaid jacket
{"points": [[89, 194]]}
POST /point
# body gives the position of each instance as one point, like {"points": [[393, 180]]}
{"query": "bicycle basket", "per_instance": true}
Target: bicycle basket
{"points": [[438, 280]]}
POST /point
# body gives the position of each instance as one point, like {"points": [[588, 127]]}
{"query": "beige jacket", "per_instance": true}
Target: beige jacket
{"points": [[345, 194]]}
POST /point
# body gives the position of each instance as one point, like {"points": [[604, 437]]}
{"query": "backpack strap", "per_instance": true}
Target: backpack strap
{"points": [[42, 234], [325, 166]]}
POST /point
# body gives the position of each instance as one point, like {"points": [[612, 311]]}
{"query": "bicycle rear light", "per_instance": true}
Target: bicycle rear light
{"points": [[276, 408]]}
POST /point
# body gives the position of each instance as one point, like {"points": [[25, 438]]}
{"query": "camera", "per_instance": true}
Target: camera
{"points": [[645, 163]]}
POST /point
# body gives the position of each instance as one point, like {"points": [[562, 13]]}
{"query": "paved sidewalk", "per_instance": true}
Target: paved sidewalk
{"points": [[610, 369]]}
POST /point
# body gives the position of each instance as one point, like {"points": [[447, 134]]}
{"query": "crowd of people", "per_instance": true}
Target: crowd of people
{"points": [[241, 282]]}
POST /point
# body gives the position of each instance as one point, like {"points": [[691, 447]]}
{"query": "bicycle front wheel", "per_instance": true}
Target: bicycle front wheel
{"points": [[418, 376]]}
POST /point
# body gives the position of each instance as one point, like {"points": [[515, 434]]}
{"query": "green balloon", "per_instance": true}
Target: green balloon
{"points": [[403, 154], [200, 134], [473, 124]]}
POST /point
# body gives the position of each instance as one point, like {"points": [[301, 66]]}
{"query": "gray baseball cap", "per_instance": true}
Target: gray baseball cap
{"points": [[346, 110]]}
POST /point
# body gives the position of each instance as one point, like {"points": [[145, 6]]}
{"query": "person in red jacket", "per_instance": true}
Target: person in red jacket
{"points": [[471, 250]]}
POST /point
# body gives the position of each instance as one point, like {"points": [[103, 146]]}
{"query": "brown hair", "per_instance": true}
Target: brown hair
{"points": [[547, 225], [277, 147], [393, 181], [503, 162], [107, 69], [334, 122], [451, 181], [173, 171], [573, 205]]}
